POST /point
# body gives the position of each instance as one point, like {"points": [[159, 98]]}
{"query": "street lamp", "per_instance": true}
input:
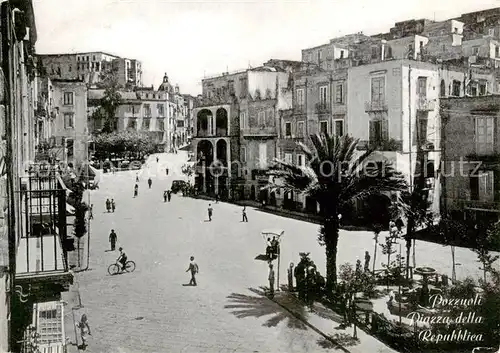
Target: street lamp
{"points": [[277, 233]]}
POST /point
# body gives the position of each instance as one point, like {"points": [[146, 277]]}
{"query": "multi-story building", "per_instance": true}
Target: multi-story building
{"points": [[236, 129], [89, 67], [33, 235], [70, 132], [129, 72], [145, 110], [471, 150], [189, 104]]}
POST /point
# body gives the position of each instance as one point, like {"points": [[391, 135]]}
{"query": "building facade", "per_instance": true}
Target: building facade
{"points": [[89, 67], [471, 149], [69, 129], [238, 115], [145, 110], [33, 247]]}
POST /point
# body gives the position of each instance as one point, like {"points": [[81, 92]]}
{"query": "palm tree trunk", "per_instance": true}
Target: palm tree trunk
{"points": [[375, 252], [331, 239]]}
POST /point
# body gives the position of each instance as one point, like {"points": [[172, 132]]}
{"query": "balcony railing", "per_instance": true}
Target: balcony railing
{"points": [[376, 106], [478, 205], [322, 108], [260, 131], [42, 248], [424, 104]]}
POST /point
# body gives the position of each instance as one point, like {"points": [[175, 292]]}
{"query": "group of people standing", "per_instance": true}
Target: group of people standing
{"points": [[110, 205], [310, 283]]}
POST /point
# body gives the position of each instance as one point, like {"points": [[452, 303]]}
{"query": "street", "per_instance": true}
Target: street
{"points": [[150, 310]]}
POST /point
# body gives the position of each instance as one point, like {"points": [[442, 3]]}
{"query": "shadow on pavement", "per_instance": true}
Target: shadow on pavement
{"points": [[260, 305]]}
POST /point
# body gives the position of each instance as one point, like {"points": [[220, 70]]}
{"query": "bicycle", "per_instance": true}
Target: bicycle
{"points": [[116, 268]]}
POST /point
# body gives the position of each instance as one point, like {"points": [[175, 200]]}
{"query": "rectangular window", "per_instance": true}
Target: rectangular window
{"points": [[300, 160], [261, 118], [160, 108], [456, 88], [132, 124], [482, 89], [262, 163], [341, 54], [161, 125], [374, 52], [323, 95], [300, 97], [323, 127], [422, 87], [68, 98], [147, 110], [486, 186], [378, 131], [288, 129], [497, 51], [243, 154], [243, 120], [339, 93], [378, 89], [484, 135], [300, 129], [146, 123], [422, 127], [70, 148], [475, 51], [339, 127], [69, 120], [288, 158], [320, 55]]}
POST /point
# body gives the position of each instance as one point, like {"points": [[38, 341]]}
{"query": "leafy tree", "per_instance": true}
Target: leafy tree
{"points": [[80, 224], [111, 100], [482, 249], [122, 144], [336, 175]]}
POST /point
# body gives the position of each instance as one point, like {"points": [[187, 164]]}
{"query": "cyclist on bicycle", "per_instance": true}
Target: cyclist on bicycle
{"points": [[122, 258]]}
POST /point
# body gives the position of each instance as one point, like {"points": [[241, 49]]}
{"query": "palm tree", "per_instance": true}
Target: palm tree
{"points": [[336, 176]]}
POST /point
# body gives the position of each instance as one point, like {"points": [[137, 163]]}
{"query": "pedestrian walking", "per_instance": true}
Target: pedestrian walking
{"points": [[271, 280], [91, 212], [165, 196], [112, 239], [193, 267], [150, 182], [169, 194], [166, 171], [108, 205], [244, 214], [217, 198], [290, 277], [210, 212], [113, 205], [136, 190], [157, 159], [84, 327], [137, 177]]}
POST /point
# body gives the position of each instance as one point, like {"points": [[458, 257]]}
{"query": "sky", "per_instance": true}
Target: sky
{"points": [[193, 39]]}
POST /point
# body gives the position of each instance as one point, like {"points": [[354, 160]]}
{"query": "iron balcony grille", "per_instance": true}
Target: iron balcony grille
{"points": [[41, 247]]}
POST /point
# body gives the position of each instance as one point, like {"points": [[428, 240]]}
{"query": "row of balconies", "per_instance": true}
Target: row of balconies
{"points": [[422, 104]]}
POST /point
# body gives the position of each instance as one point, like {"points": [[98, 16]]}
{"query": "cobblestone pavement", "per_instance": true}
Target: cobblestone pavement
{"points": [[150, 310]]}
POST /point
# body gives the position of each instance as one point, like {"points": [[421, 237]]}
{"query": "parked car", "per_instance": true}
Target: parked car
{"points": [[178, 185]]}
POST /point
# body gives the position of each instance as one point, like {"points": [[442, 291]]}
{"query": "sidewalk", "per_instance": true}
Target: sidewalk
{"points": [[73, 311], [324, 320]]}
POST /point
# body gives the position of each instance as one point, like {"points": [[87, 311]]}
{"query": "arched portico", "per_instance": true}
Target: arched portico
{"points": [[214, 169]]}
